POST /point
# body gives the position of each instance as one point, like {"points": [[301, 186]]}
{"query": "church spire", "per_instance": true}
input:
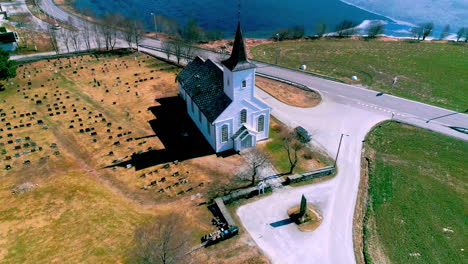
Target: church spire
{"points": [[238, 60]]}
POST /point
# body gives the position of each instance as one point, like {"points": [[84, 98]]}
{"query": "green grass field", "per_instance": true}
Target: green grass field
{"points": [[428, 72], [417, 196]]}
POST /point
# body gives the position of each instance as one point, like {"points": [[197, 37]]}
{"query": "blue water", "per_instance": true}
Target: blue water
{"points": [[260, 18]]}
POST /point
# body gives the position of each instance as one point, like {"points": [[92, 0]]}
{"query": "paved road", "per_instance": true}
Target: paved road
{"points": [[345, 109]]}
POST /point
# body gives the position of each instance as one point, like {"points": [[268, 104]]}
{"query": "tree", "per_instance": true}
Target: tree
{"points": [[255, 159], [138, 32], [321, 29], [445, 33], [427, 29], [7, 66], [86, 33], [109, 29], [417, 32], [128, 33], [178, 49], [462, 32], [163, 241], [292, 146], [97, 32], [167, 48], [191, 32], [52, 33], [375, 28], [346, 28], [64, 35]]}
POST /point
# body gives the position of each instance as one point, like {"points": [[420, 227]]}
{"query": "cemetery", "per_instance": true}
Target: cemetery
{"points": [[103, 134]]}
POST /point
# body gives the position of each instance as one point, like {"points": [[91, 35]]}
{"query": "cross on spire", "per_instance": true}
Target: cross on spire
{"points": [[239, 11]]}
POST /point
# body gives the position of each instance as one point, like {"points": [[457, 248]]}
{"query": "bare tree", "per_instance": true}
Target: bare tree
{"points": [[128, 33], [188, 51], [445, 33], [97, 32], [375, 28], [321, 29], [75, 39], [292, 146], [346, 28], [255, 160], [163, 241], [65, 38], [167, 48], [86, 33], [53, 39], [109, 29], [138, 32], [178, 49]]}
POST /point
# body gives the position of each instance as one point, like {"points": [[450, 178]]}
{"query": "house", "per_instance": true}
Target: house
{"points": [[221, 102], [8, 41]]}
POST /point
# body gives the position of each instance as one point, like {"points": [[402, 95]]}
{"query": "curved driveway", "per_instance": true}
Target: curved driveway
{"points": [[345, 109]]}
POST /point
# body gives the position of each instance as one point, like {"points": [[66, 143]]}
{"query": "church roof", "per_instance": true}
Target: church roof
{"points": [[203, 82], [238, 60]]}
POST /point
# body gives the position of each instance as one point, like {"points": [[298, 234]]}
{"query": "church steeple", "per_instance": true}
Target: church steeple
{"points": [[238, 60]]}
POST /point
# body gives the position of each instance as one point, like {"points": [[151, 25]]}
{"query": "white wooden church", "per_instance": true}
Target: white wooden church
{"points": [[220, 100]]}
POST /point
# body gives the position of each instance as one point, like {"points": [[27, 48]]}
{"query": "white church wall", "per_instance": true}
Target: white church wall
{"points": [[229, 144], [202, 126]]}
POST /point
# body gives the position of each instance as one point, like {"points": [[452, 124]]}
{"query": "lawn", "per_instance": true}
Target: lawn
{"points": [[273, 148], [416, 210], [72, 126], [427, 72]]}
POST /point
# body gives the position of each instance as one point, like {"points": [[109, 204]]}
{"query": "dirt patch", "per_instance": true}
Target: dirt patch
{"points": [[313, 216], [289, 94]]}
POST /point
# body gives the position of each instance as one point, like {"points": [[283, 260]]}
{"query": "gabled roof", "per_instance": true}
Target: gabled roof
{"points": [[238, 60], [243, 130], [203, 82]]}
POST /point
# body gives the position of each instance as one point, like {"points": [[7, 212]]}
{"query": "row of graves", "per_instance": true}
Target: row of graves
{"points": [[105, 115]]}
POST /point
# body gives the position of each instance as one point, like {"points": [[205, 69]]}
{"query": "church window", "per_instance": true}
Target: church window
{"points": [[227, 81], [261, 123], [224, 133], [243, 116], [208, 127], [200, 116], [244, 83], [193, 108]]}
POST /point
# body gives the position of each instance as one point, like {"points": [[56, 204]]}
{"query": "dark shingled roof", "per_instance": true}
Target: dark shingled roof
{"points": [[203, 82], [238, 60]]}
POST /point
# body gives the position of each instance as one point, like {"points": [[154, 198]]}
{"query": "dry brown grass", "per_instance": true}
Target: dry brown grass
{"points": [[288, 94], [82, 211]]}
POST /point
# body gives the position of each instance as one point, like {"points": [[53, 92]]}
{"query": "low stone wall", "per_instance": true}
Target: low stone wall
{"points": [[310, 175]]}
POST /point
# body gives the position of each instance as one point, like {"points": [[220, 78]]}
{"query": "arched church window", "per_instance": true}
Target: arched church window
{"points": [[243, 116], [261, 123], [224, 133]]}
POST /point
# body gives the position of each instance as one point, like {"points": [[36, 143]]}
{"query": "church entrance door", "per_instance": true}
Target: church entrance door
{"points": [[246, 142]]}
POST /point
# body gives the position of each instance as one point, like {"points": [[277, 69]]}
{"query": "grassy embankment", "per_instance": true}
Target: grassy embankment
{"points": [[427, 72], [417, 202]]}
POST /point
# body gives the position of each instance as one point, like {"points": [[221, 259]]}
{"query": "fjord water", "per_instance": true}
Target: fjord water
{"points": [[259, 17]]}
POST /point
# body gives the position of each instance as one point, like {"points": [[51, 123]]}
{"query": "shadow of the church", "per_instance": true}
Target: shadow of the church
{"points": [[175, 129]]}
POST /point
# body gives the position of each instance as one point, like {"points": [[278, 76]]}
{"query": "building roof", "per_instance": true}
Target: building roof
{"points": [[8, 37], [203, 82], [238, 60]]}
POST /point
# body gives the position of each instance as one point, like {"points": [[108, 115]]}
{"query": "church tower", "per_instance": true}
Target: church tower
{"points": [[239, 72]]}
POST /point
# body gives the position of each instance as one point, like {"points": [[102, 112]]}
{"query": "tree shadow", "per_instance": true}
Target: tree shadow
{"points": [[175, 129]]}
